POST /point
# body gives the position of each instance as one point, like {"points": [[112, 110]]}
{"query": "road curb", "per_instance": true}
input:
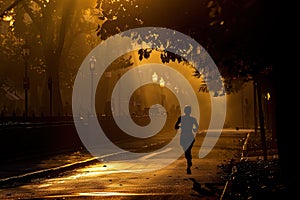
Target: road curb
{"points": [[228, 183], [14, 180], [25, 178]]}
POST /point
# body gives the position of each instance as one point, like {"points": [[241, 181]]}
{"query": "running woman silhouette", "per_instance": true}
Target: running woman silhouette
{"points": [[189, 127]]}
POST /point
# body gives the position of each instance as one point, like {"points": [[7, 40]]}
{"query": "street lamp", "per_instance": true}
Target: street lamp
{"points": [[26, 54], [154, 77], [50, 94], [162, 82], [162, 85], [154, 80], [92, 69]]}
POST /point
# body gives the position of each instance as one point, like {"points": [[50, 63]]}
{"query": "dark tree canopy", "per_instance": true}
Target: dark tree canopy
{"points": [[237, 34]]}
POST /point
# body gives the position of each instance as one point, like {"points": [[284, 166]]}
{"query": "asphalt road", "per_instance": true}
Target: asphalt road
{"points": [[105, 180]]}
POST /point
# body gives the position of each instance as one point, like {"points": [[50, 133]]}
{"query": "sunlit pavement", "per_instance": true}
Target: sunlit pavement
{"points": [[104, 180]]}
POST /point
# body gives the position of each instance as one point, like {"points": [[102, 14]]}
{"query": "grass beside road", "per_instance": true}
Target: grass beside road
{"points": [[252, 177], [253, 145]]}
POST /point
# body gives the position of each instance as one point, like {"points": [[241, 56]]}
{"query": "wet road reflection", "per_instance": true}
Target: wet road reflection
{"points": [[119, 179]]}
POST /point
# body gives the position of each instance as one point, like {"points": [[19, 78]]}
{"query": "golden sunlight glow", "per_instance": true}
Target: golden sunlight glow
{"points": [[11, 22], [105, 194], [7, 18]]}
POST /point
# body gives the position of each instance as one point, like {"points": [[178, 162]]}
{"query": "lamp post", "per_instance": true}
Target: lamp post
{"points": [[26, 54], [154, 80], [50, 95], [162, 85], [92, 69]]}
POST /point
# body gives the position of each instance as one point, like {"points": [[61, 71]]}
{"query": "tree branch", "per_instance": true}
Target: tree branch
{"points": [[14, 4]]}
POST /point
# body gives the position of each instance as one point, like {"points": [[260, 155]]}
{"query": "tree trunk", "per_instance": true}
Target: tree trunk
{"points": [[54, 93], [255, 105], [261, 122], [52, 99]]}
